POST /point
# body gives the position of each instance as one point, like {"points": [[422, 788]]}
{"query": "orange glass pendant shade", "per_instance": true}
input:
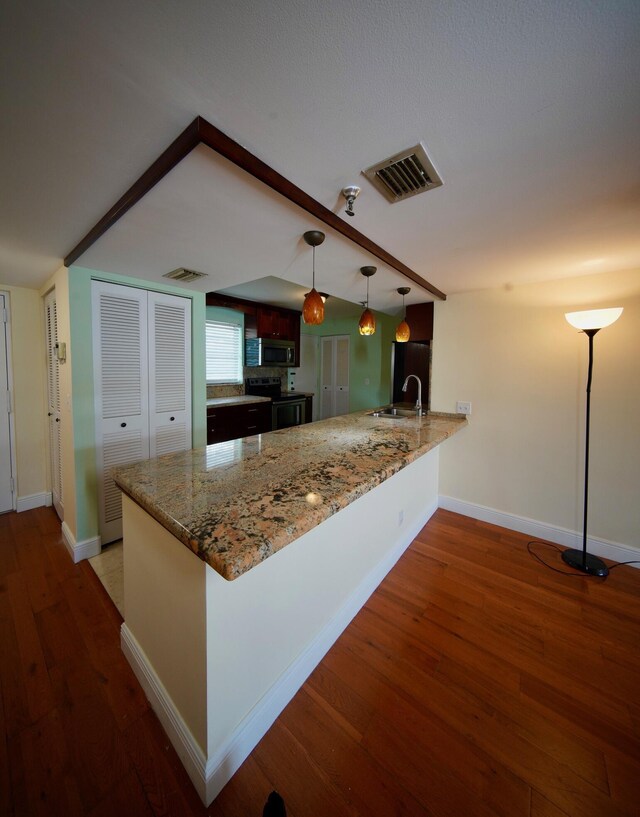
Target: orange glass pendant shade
{"points": [[403, 333], [313, 308], [367, 325]]}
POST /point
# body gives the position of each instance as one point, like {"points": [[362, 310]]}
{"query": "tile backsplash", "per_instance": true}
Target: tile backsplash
{"points": [[234, 389]]}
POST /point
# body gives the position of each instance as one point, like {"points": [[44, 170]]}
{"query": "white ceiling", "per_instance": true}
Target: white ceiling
{"points": [[529, 111]]}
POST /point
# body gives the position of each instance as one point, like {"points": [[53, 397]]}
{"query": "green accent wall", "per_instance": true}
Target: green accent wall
{"points": [[369, 357], [82, 382]]}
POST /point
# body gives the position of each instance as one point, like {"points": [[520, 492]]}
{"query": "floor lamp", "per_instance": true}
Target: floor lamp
{"points": [[589, 322]]}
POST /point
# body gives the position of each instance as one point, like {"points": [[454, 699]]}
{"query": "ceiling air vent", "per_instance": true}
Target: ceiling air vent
{"points": [[406, 174], [184, 275]]}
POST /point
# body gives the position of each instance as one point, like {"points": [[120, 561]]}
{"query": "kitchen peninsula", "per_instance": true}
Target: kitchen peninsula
{"points": [[293, 530]]}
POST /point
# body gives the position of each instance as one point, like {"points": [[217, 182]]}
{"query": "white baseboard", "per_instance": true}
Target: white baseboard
{"points": [[210, 775], [27, 503], [541, 530], [189, 751], [80, 550]]}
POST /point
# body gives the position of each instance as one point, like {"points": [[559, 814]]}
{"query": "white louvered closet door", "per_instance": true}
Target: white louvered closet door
{"points": [[169, 373], [121, 390], [334, 375], [53, 402]]}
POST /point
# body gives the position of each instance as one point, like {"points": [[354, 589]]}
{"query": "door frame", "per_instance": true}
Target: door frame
{"points": [[6, 324]]}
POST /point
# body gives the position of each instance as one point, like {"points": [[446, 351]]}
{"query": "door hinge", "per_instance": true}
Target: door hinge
{"points": [[8, 401], [12, 484], [5, 317]]}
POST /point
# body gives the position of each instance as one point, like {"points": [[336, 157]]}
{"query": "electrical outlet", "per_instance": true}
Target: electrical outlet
{"points": [[463, 407], [366, 381]]}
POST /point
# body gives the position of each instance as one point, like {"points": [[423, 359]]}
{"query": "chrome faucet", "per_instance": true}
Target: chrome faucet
{"points": [[419, 400]]}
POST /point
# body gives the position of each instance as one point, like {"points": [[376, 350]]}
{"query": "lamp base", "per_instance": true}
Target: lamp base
{"points": [[585, 562]]}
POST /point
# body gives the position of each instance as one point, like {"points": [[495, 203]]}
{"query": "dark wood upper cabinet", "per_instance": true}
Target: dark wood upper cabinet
{"points": [[420, 320], [263, 320]]}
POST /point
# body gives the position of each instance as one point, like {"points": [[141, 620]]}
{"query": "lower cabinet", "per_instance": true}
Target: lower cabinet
{"points": [[231, 422]]}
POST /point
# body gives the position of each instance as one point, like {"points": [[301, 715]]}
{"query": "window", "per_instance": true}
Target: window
{"points": [[223, 352]]}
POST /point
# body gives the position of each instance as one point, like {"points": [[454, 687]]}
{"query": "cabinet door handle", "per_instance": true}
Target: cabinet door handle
{"points": [[123, 425], [252, 411], [249, 427], [172, 418], [57, 419]]}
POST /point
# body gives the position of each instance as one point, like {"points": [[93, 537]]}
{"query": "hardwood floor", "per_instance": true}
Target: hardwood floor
{"points": [[474, 682]]}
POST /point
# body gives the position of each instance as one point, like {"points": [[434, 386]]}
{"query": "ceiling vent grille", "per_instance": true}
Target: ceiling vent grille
{"points": [[406, 174], [184, 275]]}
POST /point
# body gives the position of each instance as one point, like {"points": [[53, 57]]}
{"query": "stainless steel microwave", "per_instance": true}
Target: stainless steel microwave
{"points": [[267, 352]]}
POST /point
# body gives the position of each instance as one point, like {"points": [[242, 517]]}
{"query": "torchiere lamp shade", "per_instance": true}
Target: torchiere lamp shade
{"points": [[594, 318]]}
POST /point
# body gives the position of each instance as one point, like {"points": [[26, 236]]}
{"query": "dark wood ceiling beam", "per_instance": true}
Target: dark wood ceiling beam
{"points": [[201, 131]]}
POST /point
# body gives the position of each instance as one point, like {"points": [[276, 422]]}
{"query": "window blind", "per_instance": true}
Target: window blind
{"points": [[223, 352]]}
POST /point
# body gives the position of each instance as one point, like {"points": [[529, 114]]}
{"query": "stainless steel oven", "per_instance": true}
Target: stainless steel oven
{"points": [[287, 409], [287, 412]]}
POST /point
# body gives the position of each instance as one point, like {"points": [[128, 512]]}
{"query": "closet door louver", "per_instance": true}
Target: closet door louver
{"points": [[142, 366], [169, 374], [121, 392]]}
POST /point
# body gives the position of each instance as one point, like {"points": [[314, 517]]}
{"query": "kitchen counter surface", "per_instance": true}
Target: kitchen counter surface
{"points": [[237, 400], [236, 503]]}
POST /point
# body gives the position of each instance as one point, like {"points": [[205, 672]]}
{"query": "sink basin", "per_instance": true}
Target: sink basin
{"points": [[393, 413]]}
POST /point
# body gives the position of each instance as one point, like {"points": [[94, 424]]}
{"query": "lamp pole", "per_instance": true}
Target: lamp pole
{"points": [[590, 322], [582, 560]]}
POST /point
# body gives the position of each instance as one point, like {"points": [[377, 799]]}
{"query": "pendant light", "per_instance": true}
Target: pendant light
{"points": [[313, 307], [403, 333], [367, 325]]}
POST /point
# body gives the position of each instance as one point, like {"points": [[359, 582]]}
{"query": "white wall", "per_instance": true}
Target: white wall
{"points": [[511, 353], [29, 398]]}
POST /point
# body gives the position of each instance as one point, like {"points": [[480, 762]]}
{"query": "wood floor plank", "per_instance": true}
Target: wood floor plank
{"points": [[32, 668], [585, 760], [301, 782], [363, 784], [475, 682], [246, 793], [102, 642], [126, 797], [50, 784], [582, 719], [5, 777], [418, 724]]}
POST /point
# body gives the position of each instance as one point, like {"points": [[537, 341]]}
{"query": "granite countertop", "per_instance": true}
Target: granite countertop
{"points": [[236, 400], [236, 503]]}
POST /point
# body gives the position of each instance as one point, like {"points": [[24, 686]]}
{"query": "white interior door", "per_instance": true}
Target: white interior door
{"points": [[307, 374], [6, 453], [169, 374], [53, 402], [341, 359], [327, 386], [334, 375], [121, 392]]}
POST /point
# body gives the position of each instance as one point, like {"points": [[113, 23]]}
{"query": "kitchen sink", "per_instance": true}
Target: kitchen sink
{"points": [[393, 413]]}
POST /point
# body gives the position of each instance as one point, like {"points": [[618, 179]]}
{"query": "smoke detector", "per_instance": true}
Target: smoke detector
{"points": [[184, 275], [405, 174]]}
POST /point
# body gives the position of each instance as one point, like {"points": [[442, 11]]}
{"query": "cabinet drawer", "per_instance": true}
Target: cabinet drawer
{"points": [[231, 422]]}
